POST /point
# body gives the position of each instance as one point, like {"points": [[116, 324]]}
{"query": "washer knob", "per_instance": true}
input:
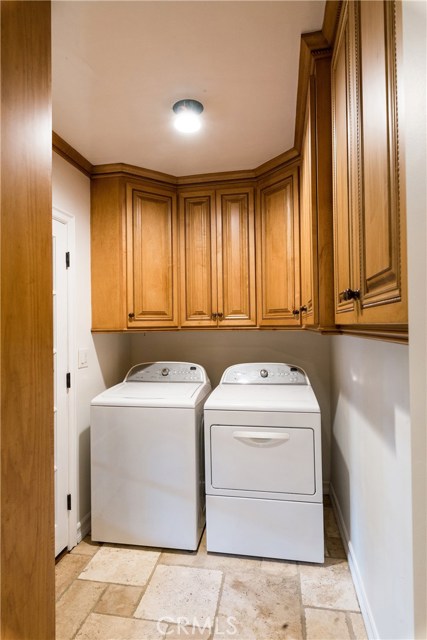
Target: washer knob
{"points": [[165, 371], [263, 373]]}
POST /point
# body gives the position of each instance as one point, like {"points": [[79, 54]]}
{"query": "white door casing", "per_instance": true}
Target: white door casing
{"points": [[64, 404]]}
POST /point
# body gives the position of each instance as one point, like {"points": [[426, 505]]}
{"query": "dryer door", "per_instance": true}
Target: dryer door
{"points": [[263, 459]]}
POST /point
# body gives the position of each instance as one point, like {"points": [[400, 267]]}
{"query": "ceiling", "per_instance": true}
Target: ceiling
{"points": [[119, 66]]}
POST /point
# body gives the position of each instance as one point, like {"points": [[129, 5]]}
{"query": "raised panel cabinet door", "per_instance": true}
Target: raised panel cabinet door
{"points": [[198, 260], [308, 215], [152, 259], [236, 258], [345, 230], [382, 255], [108, 254], [277, 253]]}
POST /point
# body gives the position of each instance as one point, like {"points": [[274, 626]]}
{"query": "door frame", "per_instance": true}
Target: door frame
{"points": [[69, 220]]}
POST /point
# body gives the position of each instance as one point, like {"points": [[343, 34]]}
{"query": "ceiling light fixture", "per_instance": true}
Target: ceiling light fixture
{"points": [[187, 119]]}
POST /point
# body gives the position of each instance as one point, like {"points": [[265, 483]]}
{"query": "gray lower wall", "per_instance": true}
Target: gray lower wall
{"points": [[216, 350]]}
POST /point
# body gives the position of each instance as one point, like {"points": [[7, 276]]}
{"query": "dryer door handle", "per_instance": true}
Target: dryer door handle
{"points": [[262, 438]]}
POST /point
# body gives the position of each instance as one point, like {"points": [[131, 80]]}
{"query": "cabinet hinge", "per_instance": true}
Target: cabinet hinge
{"points": [[69, 502], [67, 259], [68, 380]]}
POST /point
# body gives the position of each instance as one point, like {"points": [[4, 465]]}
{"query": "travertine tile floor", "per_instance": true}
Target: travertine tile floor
{"points": [[113, 592]]}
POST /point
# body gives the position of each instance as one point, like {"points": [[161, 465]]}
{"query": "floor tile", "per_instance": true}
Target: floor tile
{"points": [[327, 502], [358, 625], [179, 632], [279, 567], [119, 600], [121, 566], [204, 560], [67, 570], [101, 627], [176, 593], [329, 586], [86, 547], [259, 604], [326, 625], [335, 548], [74, 606], [330, 523]]}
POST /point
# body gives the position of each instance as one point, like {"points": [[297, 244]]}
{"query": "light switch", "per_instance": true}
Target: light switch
{"points": [[82, 364]]}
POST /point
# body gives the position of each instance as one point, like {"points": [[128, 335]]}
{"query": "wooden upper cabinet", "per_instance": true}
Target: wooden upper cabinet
{"points": [[308, 214], [108, 254], [369, 214], [152, 282], [278, 252], [217, 258]]}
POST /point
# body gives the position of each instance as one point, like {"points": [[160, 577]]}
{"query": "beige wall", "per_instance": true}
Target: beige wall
{"points": [[415, 73], [371, 476], [216, 350]]}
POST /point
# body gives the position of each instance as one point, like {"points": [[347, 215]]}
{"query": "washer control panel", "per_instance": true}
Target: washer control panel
{"points": [[166, 372], [264, 373]]}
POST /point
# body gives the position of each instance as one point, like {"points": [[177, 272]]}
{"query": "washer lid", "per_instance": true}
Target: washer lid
{"points": [[158, 384], [252, 397], [153, 394]]}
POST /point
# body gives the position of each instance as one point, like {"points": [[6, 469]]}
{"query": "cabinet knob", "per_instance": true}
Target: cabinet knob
{"points": [[214, 316], [349, 294], [220, 315], [303, 308], [295, 312], [131, 316]]}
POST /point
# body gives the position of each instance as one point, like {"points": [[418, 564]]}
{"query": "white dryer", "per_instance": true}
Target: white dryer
{"points": [[147, 458], [263, 464]]}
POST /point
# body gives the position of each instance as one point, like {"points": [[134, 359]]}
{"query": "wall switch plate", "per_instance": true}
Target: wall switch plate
{"points": [[82, 363]]}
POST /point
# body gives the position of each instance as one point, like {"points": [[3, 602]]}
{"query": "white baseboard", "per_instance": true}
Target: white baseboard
{"points": [[83, 527], [368, 618]]}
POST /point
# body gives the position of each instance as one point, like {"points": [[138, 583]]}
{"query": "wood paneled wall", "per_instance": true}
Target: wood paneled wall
{"points": [[27, 528]]}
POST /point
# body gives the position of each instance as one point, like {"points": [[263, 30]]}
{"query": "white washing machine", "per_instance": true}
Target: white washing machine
{"points": [[264, 464], [147, 457]]}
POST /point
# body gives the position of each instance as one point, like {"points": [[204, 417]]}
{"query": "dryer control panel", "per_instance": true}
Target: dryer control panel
{"points": [[166, 372], [264, 373]]}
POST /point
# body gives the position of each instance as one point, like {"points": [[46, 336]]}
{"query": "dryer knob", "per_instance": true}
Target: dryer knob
{"points": [[263, 373], [165, 372]]}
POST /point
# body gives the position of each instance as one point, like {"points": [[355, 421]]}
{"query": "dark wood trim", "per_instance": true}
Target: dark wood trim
{"points": [[331, 19], [276, 164], [27, 483], [313, 45], [72, 156], [122, 169], [390, 333]]}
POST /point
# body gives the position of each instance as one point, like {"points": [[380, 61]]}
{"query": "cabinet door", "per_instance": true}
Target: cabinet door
{"points": [[198, 259], [108, 254], [345, 227], [382, 220], [236, 258], [308, 215], [152, 258], [277, 253]]}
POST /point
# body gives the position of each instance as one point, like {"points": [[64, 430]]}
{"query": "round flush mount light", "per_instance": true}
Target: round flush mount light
{"points": [[187, 118]]}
